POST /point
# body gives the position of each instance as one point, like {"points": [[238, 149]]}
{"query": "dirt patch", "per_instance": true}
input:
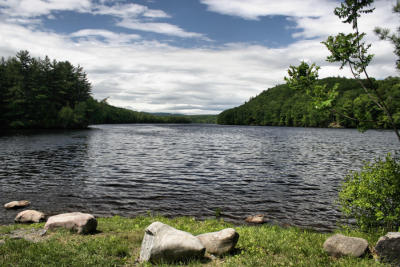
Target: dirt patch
{"points": [[31, 235]]}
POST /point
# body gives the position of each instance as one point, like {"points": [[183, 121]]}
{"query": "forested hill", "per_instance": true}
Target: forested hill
{"points": [[44, 93], [283, 106]]}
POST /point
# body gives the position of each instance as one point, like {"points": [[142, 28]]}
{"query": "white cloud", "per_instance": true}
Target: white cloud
{"points": [[34, 8], [110, 37], [254, 9], [313, 18], [129, 10], [131, 17], [158, 27], [329, 24]]}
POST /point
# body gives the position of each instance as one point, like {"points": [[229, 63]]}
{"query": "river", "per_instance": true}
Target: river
{"points": [[291, 175]]}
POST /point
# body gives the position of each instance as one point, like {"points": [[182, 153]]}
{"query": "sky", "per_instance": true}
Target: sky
{"points": [[187, 56]]}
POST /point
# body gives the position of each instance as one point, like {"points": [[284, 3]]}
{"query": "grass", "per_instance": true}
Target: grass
{"points": [[118, 242]]}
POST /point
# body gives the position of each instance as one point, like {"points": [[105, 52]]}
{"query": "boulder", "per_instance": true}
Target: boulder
{"points": [[255, 219], [17, 204], [163, 243], [2, 242], [339, 245], [83, 223], [388, 248], [30, 216], [220, 242]]}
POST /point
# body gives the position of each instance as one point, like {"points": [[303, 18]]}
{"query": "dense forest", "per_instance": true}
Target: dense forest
{"points": [[44, 93], [207, 119], [282, 106]]}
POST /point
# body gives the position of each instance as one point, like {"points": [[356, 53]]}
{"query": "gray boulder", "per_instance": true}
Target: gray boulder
{"points": [[220, 242], [17, 204], [388, 248], [163, 243], [82, 223], [339, 245], [30, 216]]}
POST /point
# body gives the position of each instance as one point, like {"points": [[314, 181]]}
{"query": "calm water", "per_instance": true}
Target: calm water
{"points": [[289, 174]]}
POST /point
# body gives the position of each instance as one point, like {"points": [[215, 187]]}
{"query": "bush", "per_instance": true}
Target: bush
{"points": [[372, 196], [66, 117]]}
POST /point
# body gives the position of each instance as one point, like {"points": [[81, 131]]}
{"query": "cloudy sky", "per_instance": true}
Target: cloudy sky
{"points": [[185, 56]]}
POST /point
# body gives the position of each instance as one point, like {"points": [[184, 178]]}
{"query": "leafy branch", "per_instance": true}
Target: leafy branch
{"points": [[351, 50]]}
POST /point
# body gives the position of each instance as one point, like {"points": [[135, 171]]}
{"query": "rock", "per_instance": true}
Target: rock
{"points": [[255, 219], [339, 245], [2, 242], [30, 216], [17, 204], [83, 223], [163, 243], [388, 248], [221, 242]]}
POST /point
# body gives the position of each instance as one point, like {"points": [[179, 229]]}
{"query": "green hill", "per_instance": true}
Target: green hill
{"points": [[209, 119], [282, 106]]}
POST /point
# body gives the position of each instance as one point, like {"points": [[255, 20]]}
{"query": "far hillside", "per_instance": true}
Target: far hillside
{"points": [[208, 119], [282, 106]]}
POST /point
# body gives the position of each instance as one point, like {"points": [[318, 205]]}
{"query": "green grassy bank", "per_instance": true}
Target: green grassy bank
{"points": [[118, 241]]}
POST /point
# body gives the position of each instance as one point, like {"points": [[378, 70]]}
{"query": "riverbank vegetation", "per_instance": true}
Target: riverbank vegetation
{"points": [[283, 106], [372, 196], [207, 119], [118, 241], [44, 93]]}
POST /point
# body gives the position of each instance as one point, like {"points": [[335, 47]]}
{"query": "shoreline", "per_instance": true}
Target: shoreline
{"points": [[325, 229], [118, 240]]}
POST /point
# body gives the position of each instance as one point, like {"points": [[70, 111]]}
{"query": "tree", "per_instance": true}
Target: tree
{"points": [[371, 196], [351, 50], [304, 78]]}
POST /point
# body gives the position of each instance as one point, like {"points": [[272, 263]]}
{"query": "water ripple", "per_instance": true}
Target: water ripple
{"points": [[291, 175]]}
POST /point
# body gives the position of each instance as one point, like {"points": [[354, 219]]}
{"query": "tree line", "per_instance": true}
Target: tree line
{"points": [[44, 93], [283, 106]]}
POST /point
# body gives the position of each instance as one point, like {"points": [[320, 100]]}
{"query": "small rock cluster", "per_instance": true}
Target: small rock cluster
{"points": [[163, 243], [387, 249], [82, 223]]}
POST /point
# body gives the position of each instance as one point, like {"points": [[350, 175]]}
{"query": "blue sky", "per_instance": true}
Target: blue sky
{"points": [[185, 56], [190, 15]]}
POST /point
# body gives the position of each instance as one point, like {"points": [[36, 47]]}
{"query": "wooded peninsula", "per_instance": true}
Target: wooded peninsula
{"points": [[283, 106]]}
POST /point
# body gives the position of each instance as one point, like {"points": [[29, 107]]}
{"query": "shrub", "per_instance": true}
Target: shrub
{"points": [[372, 196]]}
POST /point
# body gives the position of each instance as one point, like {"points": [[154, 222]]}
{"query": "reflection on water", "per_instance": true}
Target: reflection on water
{"points": [[291, 175]]}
